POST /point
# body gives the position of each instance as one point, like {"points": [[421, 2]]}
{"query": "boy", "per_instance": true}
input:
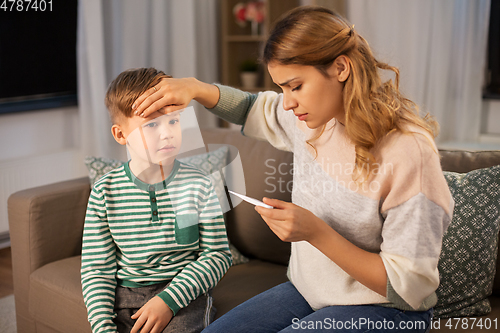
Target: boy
{"points": [[154, 241]]}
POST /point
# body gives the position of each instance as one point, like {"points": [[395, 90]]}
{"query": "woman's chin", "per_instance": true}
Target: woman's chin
{"points": [[313, 125]]}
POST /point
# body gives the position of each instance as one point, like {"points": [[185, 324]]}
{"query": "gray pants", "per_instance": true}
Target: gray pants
{"points": [[193, 318]]}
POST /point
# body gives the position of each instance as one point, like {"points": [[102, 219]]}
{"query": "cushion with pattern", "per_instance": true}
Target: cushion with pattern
{"points": [[470, 245]]}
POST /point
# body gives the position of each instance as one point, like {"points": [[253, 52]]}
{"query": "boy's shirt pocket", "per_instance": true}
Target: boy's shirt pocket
{"points": [[187, 228]]}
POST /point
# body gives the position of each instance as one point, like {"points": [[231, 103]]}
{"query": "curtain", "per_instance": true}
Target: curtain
{"points": [[440, 49], [176, 36]]}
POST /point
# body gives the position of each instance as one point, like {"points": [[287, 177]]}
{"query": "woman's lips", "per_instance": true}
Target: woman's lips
{"points": [[302, 116]]}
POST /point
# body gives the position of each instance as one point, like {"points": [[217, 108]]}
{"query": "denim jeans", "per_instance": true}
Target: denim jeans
{"points": [[193, 318], [283, 309]]}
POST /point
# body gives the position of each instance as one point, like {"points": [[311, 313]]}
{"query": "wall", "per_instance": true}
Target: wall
{"points": [[337, 5], [490, 125], [492, 115], [37, 148], [38, 132]]}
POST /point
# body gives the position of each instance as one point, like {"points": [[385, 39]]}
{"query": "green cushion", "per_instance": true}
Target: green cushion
{"points": [[99, 166], [470, 245], [208, 163]]}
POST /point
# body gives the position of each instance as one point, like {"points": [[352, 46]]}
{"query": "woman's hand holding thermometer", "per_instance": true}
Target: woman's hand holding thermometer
{"points": [[291, 223]]}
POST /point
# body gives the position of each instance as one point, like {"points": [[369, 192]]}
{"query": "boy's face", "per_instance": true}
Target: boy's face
{"points": [[155, 139]]}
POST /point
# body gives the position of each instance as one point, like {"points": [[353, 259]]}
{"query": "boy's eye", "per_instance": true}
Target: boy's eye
{"points": [[297, 87], [173, 121], [151, 125]]}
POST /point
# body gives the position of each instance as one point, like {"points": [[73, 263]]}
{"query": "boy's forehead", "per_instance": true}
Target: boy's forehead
{"points": [[159, 113], [162, 111]]}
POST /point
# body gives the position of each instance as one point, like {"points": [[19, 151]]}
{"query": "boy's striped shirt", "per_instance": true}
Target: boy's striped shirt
{"points": [[139, 234]]}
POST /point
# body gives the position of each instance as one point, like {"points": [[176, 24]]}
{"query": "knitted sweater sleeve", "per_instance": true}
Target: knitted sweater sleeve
{"points": [[417, 211], [261, 115]]}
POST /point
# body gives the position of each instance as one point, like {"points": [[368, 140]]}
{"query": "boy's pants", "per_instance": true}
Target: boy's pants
{"points": [[193, 318]]}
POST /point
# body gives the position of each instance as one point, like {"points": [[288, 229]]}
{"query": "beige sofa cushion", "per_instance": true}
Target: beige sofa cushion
{"points": [[56, 296], [242, 282], [267, 172]]}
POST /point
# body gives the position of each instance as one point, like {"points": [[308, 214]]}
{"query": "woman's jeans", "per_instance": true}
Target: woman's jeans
{"points": [[283, 309]]}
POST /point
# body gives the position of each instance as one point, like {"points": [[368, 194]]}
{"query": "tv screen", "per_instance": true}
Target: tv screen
{"points": [[493, 77], [37, 54]]}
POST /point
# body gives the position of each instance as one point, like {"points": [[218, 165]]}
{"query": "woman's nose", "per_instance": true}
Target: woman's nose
{"points": [[289, 103]]}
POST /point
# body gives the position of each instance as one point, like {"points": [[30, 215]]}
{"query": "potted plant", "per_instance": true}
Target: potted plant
{"points": [[249, 73]]}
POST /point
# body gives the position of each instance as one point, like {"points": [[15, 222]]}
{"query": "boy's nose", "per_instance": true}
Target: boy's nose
{"points": [[165, 133], [164, 129]]}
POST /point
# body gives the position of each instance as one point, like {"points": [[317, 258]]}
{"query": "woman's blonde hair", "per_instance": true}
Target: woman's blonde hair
{"points": [[315, 36]]}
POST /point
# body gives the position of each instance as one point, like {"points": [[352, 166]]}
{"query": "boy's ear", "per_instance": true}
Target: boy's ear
{"points": [[118, 134]]}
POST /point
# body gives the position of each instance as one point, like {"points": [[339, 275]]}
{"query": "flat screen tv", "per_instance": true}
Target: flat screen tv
{"points": [[492, 90], [37, 54]]}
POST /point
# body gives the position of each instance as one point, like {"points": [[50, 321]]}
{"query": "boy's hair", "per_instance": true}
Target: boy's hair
{"points": [[127, 87]]}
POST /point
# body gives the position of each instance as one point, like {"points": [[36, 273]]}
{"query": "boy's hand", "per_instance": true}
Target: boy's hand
{"points": [[152, 317]]}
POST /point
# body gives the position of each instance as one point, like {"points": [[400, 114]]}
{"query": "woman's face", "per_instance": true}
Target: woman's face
{"points": [[313, 97]]}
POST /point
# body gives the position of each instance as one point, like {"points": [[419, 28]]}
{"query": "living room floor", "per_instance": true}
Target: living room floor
{"points": [[6, 280]]}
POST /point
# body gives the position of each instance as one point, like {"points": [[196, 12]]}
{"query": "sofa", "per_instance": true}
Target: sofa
{"points": [[46, 226]]}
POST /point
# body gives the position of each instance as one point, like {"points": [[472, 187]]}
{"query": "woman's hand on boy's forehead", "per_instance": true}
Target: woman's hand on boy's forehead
{"points": [[164, 111], [169, 95]]}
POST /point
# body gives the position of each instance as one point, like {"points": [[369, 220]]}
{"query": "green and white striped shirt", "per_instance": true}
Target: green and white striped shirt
{"points": [[139, 234]]}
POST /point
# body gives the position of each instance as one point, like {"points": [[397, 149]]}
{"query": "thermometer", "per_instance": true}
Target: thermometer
{"points": [[251, 200]]}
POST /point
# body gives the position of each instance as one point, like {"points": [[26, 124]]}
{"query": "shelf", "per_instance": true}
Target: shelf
{"points": [[238, 44], [245, 38]]}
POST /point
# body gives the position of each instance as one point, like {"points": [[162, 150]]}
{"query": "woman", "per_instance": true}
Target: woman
{"points": [[369, 202]]}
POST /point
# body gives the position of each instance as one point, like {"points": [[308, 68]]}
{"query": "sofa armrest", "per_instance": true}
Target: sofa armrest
{"points": [[46, 224]]}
